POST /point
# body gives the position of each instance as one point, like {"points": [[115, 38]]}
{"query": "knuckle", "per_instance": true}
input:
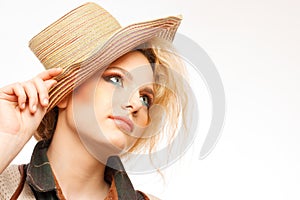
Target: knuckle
{"points": [[22, 98], [39, 83], [36, 80], [17, 85], [26, 84]]}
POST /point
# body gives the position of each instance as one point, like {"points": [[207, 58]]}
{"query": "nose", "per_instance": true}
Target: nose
{"points": [[134, 104]]}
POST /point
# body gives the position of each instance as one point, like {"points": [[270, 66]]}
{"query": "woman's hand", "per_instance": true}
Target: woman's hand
{"points": [[22, 107]]}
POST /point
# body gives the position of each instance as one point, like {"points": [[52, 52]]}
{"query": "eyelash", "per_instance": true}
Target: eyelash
{"points": [[149, 98], [121, 77], [114, 75]]}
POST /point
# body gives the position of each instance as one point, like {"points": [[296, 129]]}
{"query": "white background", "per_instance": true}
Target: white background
{"points": [[255, 46]]}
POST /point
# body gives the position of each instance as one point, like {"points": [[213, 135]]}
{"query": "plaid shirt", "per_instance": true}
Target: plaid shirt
{"points": [[44, 186]]}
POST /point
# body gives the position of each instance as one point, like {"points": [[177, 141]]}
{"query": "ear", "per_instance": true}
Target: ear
{"points": [[64, 102]]}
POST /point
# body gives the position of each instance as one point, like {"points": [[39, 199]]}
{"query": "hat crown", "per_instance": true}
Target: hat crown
{"points": [[74, 37], [87, 39]]}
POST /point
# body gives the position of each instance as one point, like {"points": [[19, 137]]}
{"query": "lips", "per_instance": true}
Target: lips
{"points": [[123, 123]]}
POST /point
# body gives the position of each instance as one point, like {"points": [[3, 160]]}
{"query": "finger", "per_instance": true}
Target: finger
{"points": [[50, 83], [21, 95], [31, 93], [42, 91], [14, 93], [50, 73]]}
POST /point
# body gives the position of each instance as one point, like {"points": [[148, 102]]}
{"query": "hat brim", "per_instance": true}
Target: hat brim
{"points": [[119, 43]]}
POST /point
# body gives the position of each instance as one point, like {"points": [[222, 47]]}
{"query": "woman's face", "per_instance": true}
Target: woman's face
{"points": [[110, 111]]}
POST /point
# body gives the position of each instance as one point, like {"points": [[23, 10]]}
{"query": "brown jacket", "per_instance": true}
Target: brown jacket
{"points": [[36, 180]]}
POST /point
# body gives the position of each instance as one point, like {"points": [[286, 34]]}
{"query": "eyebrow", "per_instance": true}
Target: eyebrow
{"points": [[125, 72], [148, 90]]}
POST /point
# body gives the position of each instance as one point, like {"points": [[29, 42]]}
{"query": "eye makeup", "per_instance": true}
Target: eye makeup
{"points": [[149, 94], [117, 77]]}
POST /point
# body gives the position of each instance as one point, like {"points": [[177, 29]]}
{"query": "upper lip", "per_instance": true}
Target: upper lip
{"points": [[124, 119]]}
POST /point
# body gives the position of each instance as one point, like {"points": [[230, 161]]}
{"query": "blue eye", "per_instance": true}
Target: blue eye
{"points": [[146, 100], [115, 79]]}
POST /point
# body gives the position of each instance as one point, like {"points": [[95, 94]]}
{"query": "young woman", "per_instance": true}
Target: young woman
{"points": [[106, 91]]}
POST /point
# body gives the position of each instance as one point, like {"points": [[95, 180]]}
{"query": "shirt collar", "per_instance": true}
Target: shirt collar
{"points": [[41, 178], [116, 176], [39, 173]]}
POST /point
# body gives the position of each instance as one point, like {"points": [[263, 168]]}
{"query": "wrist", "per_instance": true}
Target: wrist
{"points": [[10, 146]]}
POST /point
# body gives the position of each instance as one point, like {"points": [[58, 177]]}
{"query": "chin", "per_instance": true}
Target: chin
{"points": [[119, 140]]}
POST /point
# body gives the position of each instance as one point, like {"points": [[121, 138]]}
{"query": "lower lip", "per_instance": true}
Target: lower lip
{"points": [[123, 125]]}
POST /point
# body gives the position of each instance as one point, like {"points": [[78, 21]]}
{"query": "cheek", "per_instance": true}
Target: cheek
{"points": [[143, 118], [103, 98]]}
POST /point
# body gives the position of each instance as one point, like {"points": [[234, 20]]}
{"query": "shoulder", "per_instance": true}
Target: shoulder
{"points": [[9, 180]]}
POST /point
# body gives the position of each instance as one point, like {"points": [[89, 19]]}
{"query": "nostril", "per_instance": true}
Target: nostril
{"points": [[126, 107], [129, 107], [135, 112]]}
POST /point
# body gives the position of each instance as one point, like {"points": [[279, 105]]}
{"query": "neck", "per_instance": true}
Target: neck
{"points": [[77, 172]]}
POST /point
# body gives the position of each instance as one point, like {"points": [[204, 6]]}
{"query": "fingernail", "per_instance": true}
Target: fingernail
{"points": [[34, 108], [22, 105], [45, 101]]}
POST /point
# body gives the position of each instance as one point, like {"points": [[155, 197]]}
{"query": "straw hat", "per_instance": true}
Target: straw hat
{"points": [[88, 39]]}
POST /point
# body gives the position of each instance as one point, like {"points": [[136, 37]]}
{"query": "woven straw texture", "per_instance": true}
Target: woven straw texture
{"points": [[88, 39], [9, 181]]}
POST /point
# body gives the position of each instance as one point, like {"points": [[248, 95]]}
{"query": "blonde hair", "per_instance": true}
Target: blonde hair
{"points": [[169, 94]]}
